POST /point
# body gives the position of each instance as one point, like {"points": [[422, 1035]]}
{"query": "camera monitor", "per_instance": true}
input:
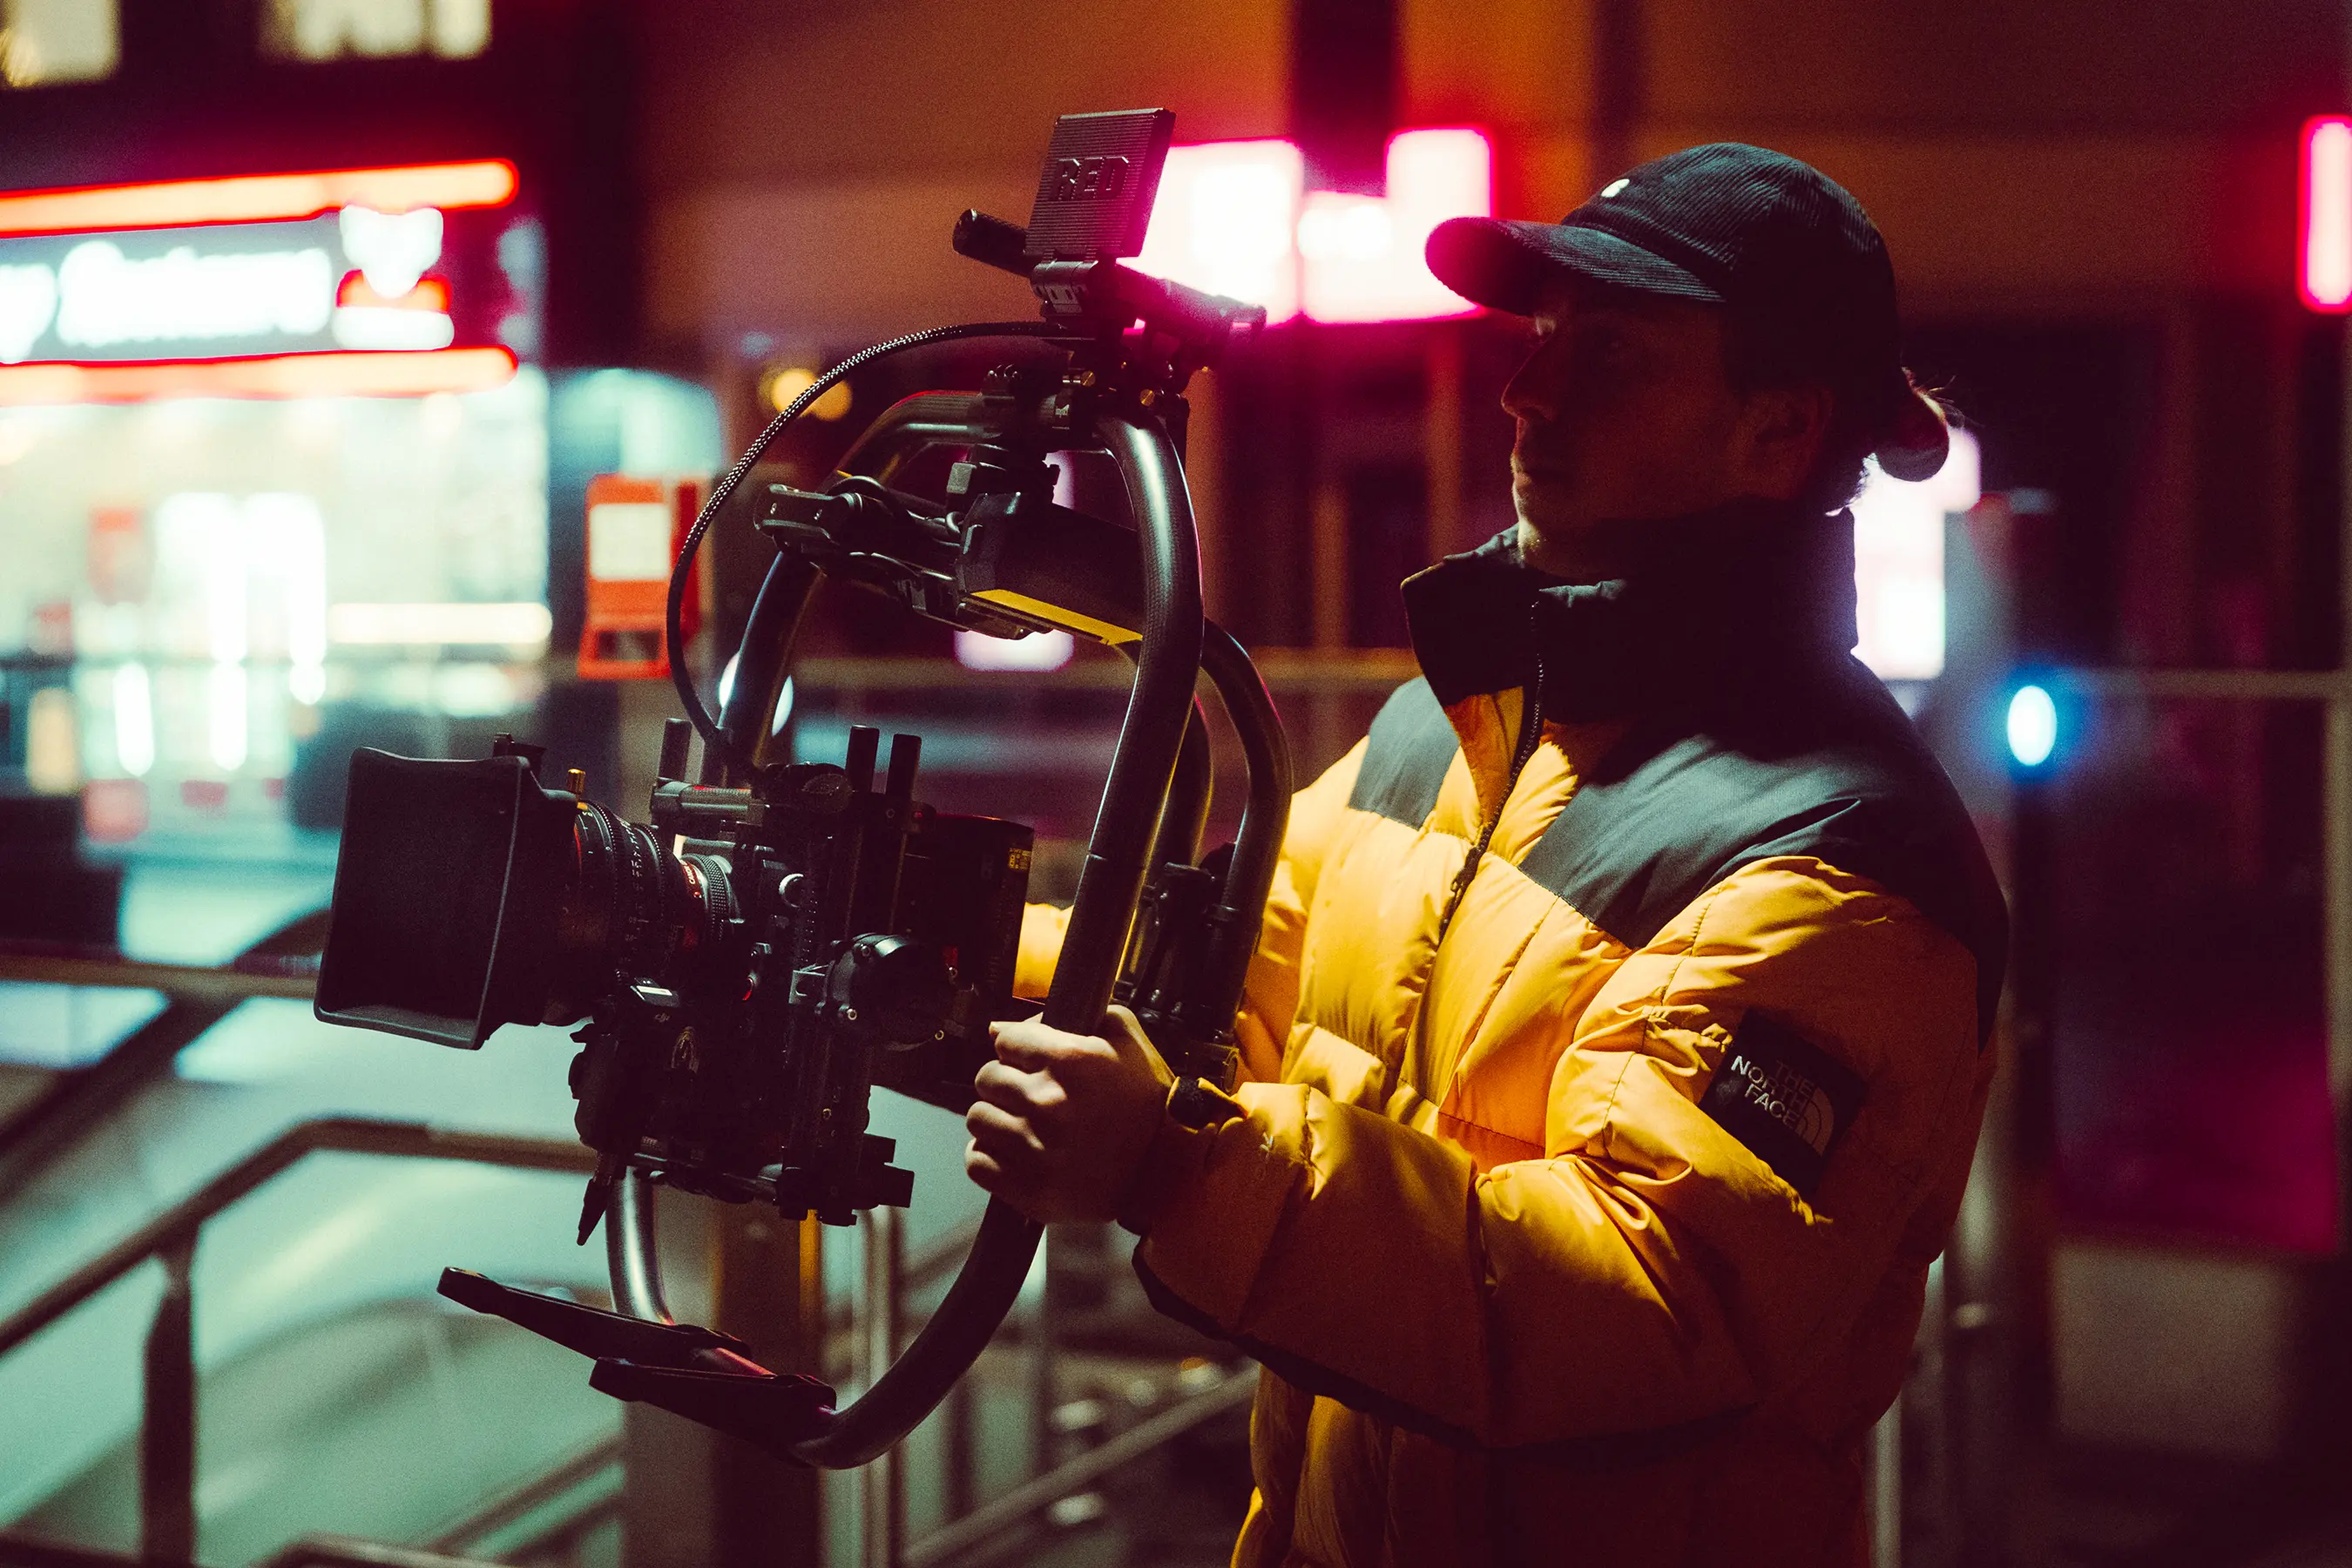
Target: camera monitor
{"points": [[1094, 195]]}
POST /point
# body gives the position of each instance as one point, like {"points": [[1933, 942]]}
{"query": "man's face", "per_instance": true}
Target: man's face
{"points": [[1624, 412]]}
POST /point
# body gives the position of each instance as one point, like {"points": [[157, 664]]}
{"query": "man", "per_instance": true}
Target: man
{"points": [[1617, 1035]]}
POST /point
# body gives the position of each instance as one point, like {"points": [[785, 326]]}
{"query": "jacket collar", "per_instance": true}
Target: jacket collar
{"points": [[1753, 587]]}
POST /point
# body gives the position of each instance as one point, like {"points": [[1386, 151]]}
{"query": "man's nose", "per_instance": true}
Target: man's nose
{"points": [[1531, 394]]}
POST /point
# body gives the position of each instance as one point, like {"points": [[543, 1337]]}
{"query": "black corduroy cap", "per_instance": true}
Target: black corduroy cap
{"points": [[1731, 224]]}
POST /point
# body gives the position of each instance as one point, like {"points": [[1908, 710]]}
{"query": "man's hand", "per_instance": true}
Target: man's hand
{"points": [[1063, 1120]]}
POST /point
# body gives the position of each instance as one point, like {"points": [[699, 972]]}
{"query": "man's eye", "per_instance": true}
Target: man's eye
{"points": [[1600, 343]]}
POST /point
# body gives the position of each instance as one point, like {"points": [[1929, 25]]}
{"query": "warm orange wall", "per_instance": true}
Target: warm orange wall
{"points": [[787, 90], [804, 161], [2102, 68], [2022, 151], [1917, 67], [2029, 222]]}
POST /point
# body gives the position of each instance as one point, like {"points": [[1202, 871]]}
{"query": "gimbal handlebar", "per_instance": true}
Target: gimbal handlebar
{"points": [[997, 556]]}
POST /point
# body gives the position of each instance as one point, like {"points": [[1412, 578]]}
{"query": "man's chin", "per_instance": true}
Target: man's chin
{"points": [[1574, 544], [1543, 509]]}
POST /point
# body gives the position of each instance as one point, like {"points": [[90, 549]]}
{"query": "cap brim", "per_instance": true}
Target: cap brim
{"points": [[1504, 263]]}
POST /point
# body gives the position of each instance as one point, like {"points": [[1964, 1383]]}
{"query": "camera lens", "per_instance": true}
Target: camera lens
{"points": [[633, 908], [469, 896]]}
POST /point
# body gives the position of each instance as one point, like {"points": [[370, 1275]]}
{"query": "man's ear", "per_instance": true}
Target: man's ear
{"points": [[1783, 430]]}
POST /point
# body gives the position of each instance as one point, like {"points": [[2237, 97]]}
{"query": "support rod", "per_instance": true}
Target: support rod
{"points": [[882, 1485], [167, 1428], [749, 714], [633, 1251], [1159, 708]]}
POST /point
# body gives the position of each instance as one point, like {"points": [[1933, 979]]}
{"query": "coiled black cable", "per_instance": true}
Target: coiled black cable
{"points": [[680, 676]]}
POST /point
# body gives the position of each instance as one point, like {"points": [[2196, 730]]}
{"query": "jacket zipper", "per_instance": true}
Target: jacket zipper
{"points": [[1530, 733]]}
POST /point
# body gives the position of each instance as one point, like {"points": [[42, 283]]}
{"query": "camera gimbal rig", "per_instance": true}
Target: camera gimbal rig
{"points": [[845, 916]]}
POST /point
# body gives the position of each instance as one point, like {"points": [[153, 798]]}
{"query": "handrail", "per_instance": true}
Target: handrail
{"points": [[334, 1134], [348, 1552], [167, 1428], [30, 1551], [941, 1546], [193, 982], [51, 1124], [175, 1232], [1042, 1492], [517, 1501], [1305, 671]]}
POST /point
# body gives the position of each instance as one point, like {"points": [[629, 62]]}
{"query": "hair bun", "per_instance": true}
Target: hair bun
{"points": [[1918, 438]]}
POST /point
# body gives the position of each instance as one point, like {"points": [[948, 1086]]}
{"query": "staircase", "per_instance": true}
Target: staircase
{"points": [[207, 1193]]}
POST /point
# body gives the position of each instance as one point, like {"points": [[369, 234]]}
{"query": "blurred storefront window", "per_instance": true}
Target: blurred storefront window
{"points": [[275, 484], [45, 43], [207, 575], [375, 29], [2188, 999]]}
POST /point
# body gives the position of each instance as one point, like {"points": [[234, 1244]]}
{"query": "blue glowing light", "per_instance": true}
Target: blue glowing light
{"points": [[2033, 726]]}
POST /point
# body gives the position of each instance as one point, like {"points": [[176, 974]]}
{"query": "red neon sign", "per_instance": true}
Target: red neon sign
{"points": [[255, 286], [2325, 231], [373, 374], [258, 199]]}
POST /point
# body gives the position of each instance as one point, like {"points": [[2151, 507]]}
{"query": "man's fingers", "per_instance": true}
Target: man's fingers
{"points": [[1022, 1094], [998, 1180], [1127, 1039], [1060, 1120], [1002, 1133], [1033, 1047]]}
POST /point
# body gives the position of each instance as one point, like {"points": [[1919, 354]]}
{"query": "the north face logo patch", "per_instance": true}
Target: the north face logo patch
{"points": [[1783, 1096]]}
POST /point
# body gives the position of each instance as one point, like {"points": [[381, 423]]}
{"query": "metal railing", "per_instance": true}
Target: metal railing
{"points": [[1286, 669], [878, 1327], [518, 1504], [1075, 1477], [311, 1551], [168, 1421], [282, 964], [167, 1432]]}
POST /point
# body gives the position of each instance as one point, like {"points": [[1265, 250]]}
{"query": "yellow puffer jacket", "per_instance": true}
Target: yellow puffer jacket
{"points": [[1616, 1081]]}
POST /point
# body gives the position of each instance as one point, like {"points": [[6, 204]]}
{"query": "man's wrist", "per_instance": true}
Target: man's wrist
{"points": [[1174, 1154], [1195, 1102]]}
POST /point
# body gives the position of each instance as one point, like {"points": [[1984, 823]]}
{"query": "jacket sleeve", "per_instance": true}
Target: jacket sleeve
{"points": [[1650, 1269], [1270, 993]]}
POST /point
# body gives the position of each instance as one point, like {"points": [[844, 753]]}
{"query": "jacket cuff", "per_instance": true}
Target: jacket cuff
{"points": [[1217, 1196], [1172, 1162]]}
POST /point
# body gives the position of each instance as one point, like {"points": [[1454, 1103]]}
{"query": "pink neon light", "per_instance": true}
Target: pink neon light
{"points": [[1233, 218], [1226, 220], [357, 374], [1363, 255], [2326, 228], [257, 198]]}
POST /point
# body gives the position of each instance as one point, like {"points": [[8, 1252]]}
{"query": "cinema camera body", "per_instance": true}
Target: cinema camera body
{"points": [[784, 935]]}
